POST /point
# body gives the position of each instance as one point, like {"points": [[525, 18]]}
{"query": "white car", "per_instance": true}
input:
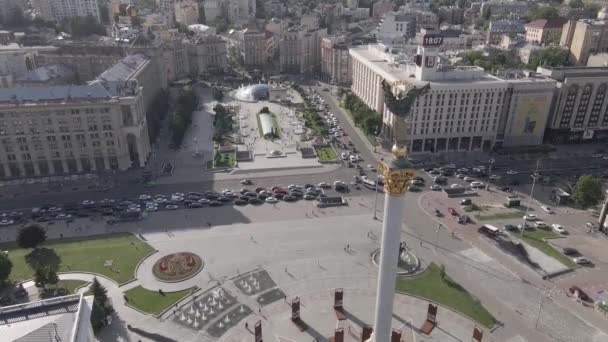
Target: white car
{"points": [[558, 229], [323, 185], [547, 209], [176, 198], [6, 222], [477, 184], [371, 168], [460, 175], [530, 217], [468, 179], [144, 197], [511, 172], [271, 200], [581, 260], [344, 156], [353, 159], [456, 186], [171, 207], [435, 187], [540, 225]]}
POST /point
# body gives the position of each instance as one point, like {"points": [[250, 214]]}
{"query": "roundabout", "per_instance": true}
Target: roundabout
{"points": [[176, 267]]}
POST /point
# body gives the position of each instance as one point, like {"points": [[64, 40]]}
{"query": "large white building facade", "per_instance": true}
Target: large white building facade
{"points": [[580, 110], [434, 108], [61, 130]]}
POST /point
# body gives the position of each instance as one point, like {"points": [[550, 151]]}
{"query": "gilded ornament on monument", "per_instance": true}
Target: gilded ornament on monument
{"points": [[397, 173]]}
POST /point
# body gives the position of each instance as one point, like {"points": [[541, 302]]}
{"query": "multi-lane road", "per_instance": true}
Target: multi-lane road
{"points": [[129, 188]]}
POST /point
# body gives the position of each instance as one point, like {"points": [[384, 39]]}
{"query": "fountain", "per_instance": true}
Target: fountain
{"points": [[197, 314], [204, 317], [213, 301], [200, 303], [247, 288], [251, 278], [220, 325], [183, 317], [191, 310], [196, 324], [242, 309], [211, 312], [189, 320], [205, 308], [243, 283], [220, 306], [227, 319]]}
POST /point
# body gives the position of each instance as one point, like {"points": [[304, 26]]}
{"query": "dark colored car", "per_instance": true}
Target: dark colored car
{"points": [[570, 251], [279, 195], [289, 198], [255, 201], [511, 227], [195, 205], [240, 202], [215, 204]]}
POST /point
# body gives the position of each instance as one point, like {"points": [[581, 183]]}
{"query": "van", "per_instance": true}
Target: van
{"points": [[489, 230]]}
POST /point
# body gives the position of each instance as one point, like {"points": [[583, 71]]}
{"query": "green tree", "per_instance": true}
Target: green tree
{"points": [[30, 236], [100, 293], [218, 94], [221, 24], [80, 27], [6, 266], [40, 279], [52, 277], [576, 4], [178, 129], [549, 56], [588, 191], [98, 317], [546, 12], [104, 13], [17, 19]]}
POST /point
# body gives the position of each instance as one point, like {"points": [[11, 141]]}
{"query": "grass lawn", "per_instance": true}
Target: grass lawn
{"points": [[500, 216], [326, 153], [71, 285], [87, 254], [153, 302], [313, 122], [445, 291], [225, 159], [535, 239]]}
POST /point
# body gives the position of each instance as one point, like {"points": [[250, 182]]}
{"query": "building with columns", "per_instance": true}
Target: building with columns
{"points": [[60, 130], [335, 60], [449, 108]]}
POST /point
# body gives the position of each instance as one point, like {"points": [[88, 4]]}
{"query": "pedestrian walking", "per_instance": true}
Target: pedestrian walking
{"points": [[348, 246], [246, 325]]}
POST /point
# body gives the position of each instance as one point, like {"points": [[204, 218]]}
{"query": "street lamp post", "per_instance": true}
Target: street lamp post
{"points": [[437, 234], [376, 200], [490, 174], [523, 227]]}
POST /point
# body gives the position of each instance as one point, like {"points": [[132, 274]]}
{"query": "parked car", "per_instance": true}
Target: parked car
{"points": [[511, 172], [246, 182], [540, 225], [466, 201], [414, 189], [435, 187], [511, 227], [469, 179], [452, 211], [271, 200], [171, 207], [530, 217]]}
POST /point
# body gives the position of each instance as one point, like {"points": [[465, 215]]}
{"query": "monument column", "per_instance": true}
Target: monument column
{"points": [[397, 174]]}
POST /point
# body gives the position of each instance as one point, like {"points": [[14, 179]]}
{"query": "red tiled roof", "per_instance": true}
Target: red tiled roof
{"points": [[546, 23]]}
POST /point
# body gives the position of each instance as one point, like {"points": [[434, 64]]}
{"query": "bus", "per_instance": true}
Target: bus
{"points": [[489, 230]]}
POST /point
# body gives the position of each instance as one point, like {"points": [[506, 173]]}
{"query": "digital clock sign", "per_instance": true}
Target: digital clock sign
{"points": [[432, 40]]}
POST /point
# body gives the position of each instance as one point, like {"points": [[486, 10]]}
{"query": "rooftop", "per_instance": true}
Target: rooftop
{"points": [[46, 73], [547, 23], [54, 93], [54, 319], [125, 69]]}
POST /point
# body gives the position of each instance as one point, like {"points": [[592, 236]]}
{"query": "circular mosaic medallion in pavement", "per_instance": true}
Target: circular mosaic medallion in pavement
{"points": [[177, 267]]}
